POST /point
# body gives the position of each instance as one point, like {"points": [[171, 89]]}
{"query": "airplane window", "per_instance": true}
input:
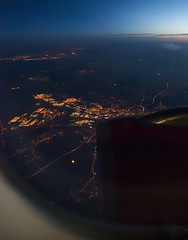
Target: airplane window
{"points": [[68, 67]]}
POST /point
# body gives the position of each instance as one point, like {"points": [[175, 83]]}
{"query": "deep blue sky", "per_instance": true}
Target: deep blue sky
{"points": [[72, 17]]}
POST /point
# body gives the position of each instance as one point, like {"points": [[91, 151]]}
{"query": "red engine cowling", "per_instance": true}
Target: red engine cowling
{"points": [[143, 172]]}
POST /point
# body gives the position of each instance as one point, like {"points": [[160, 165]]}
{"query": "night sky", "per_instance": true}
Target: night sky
{"points": [[77, 17]]}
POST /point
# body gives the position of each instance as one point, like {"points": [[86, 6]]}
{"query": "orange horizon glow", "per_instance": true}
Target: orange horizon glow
{"points": [[173, 38], [157, 37]]}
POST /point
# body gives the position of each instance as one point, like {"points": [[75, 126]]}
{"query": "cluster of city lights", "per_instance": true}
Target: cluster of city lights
{"points": [[44, 56]]}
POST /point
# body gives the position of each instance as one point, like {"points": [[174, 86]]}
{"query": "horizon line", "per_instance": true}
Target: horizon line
{"points": [[171, 37]]}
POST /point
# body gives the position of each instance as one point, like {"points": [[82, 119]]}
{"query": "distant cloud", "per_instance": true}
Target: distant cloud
{"points": [[172, 46]]}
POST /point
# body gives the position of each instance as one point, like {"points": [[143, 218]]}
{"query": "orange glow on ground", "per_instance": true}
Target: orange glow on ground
{"points": [[14, 120]]}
